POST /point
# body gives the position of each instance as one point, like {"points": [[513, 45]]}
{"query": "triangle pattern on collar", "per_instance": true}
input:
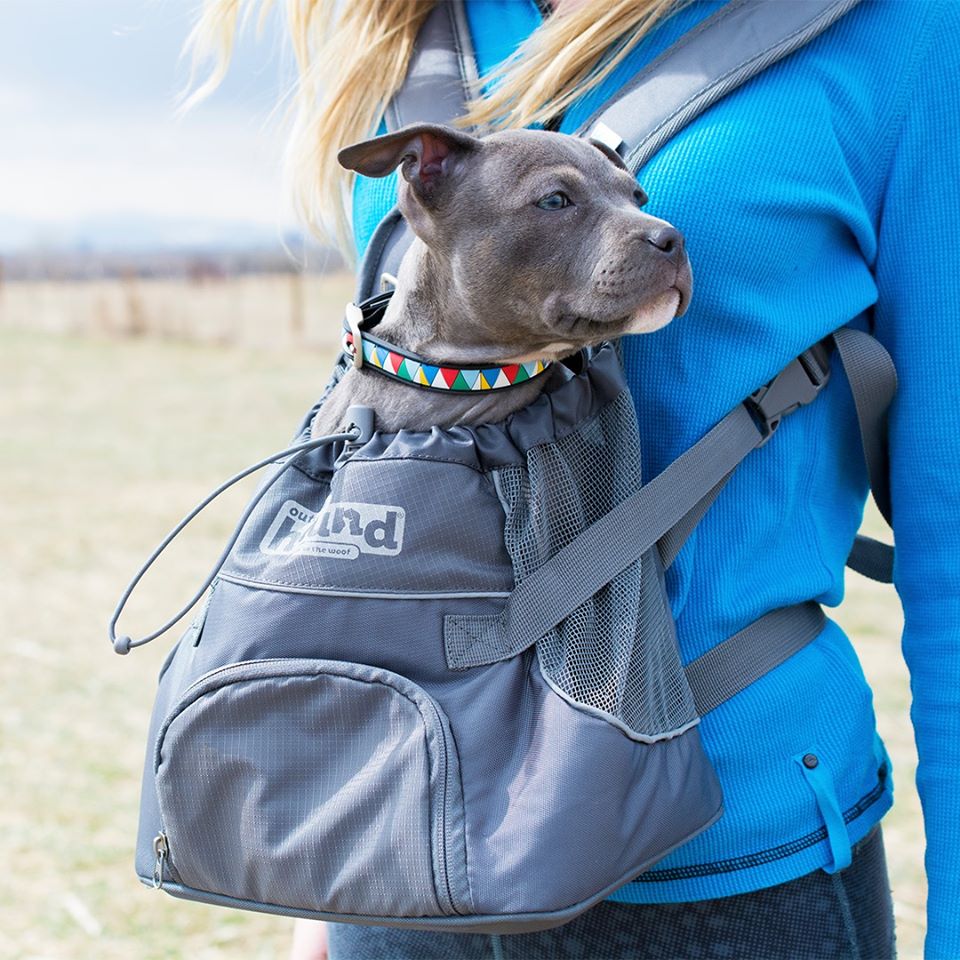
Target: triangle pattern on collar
{"points": [[398, 364]]}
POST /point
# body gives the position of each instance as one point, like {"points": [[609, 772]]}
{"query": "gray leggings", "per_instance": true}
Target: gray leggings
{"points": [[820, 916]]}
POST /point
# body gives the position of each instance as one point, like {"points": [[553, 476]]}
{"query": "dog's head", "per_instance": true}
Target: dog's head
{"points": [[541, 234]]}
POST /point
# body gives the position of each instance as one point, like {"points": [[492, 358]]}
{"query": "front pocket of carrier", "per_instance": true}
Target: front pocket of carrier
{"points": [[318, 785]]}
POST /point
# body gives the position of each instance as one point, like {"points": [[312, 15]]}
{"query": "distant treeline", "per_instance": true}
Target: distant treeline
{"points": [[198, 265]]}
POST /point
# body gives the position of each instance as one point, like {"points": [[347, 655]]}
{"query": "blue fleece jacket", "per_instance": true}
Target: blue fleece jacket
{"points": [[824, 191]]}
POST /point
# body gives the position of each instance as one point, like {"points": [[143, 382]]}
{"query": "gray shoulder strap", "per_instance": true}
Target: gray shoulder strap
{"points": [[442, 71], [440, 79], [873, 383], [732, 45]]}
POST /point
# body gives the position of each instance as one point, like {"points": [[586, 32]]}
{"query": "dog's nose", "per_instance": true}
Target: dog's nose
{"points": [[665, 237]]}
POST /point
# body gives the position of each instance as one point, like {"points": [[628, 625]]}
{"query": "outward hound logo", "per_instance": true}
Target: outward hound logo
{"points": [[339, 530]]}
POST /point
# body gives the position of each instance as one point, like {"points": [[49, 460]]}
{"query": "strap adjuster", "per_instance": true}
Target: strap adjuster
{"points": [[798, 384], [608, 137]]}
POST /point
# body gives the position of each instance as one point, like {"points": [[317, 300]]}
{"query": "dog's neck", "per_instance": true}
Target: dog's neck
{"points": [[421, 318]]}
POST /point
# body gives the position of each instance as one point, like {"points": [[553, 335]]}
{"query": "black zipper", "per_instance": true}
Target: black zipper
{"points": [[764, 856]]}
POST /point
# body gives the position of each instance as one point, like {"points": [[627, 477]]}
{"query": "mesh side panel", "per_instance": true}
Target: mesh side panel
{"points": [[616, 653]]}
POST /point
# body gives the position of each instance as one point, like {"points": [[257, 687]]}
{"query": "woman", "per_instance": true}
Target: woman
{"points": [[822, 192]]}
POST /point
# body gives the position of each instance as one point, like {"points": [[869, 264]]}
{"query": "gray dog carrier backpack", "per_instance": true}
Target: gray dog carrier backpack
{"points": [[435, 681]]}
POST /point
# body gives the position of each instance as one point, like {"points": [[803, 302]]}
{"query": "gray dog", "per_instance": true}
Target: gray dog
{"points": [[529, 245]]}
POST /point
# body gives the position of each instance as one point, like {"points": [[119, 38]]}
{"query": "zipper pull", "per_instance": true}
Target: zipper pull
{"points": [[161, 847]]}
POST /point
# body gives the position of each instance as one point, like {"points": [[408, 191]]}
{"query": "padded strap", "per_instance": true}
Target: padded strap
{"points": [[738, 661], [440, 79], [729, 47], [442, 71], [390, 241]]}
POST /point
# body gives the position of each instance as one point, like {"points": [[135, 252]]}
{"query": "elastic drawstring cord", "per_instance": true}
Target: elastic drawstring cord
{"points": [[124, 644]]}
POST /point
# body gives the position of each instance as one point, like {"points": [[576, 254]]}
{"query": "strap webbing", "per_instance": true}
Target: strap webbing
{"points": [[871, 558], [666, 509], [738, 661], [873, 383], [605, 548], [729, 47], [796, 385], [670, 544]]}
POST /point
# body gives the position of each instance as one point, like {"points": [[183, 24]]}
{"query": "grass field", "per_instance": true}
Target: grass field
{"points": [[103, 445]]}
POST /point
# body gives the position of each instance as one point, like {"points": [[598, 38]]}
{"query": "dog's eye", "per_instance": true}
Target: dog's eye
{"points": [[640, 196], [554, 201]]}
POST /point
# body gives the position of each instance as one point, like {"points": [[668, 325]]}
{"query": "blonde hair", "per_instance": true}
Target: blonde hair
{"points": [[352, 56]]}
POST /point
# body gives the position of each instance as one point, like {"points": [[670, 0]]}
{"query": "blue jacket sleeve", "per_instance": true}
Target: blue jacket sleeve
{"points": [[918, 317]]}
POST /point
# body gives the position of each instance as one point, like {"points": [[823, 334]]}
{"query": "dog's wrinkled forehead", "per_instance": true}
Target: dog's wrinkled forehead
{"points": [[517, 169], [540, 151]]}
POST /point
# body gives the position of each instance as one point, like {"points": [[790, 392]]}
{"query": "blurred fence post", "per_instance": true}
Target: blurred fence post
{"points": [[134, 323]]}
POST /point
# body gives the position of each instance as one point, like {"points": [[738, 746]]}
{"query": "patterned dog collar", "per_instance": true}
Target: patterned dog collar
{"points": [[398, 364]]}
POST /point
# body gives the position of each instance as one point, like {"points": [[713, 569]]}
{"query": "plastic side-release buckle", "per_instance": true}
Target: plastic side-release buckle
{"points": [[798, 384]]}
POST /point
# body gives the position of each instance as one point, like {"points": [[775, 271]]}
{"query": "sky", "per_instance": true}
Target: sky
{"points": [[90, 146]]}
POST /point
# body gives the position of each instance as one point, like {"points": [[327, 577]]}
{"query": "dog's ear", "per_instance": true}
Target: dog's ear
{"points": [[430, 155]]}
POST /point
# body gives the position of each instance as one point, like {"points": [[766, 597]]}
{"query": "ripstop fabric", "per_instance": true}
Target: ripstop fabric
{"points": [[341, 734]]}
